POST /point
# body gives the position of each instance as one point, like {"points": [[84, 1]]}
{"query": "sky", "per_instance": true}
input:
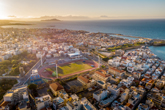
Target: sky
{"points": [[82, 9]]}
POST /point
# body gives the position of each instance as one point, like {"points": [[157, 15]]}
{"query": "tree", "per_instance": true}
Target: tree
{"points": [[14, 70], [15, 57], [48, 90], [70, 99], [24, 53], [103, 66], [5, 62], [32, 86], [80, 96], [57, 79], [6, 70], [14, 61], [65, 101], [105, 59]]}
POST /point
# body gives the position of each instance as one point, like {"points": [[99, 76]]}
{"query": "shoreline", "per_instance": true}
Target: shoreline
{"points": [[131, 48], [12, 22], [116, 35], [122, 35]]}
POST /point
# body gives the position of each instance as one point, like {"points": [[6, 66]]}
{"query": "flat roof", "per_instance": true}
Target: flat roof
{"points": [[9, 94], [74, 82], [73, 54], [101, 82], [59, 100]]}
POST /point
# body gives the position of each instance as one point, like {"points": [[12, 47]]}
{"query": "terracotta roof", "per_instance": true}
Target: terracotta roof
{"points": [[43, 108], [144, 79], [154, 108], [129, 105], [115, 69], [56, 86], [140, 86], [124, 58], [121, 66], [123, 87], [108, 108], [4, 103], [151, 81], [101, 74], [147, 74], [102, 71], [83, 79]]}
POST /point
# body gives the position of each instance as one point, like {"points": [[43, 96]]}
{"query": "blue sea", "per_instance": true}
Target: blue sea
{"points": [[151, 28]]}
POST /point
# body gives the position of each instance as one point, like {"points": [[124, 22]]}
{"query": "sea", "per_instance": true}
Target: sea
{"points": [[147, 28]]}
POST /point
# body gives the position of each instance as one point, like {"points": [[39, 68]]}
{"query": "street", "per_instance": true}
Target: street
{"points": [[27, 75]]}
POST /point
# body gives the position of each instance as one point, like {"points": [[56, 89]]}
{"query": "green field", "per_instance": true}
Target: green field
{"points": [[70, 68]]}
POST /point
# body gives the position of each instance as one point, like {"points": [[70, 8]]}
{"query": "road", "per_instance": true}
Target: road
{"points": [[27, 75], [95, 58], [9, 77]]}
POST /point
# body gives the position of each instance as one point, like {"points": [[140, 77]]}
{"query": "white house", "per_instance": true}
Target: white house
{"points": [[100, 94], [113, 89]]}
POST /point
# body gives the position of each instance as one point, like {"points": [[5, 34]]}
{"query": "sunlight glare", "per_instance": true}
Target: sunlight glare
{"points": [[2, 11]]}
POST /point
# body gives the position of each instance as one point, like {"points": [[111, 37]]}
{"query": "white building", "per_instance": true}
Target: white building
{"points": [[113, 89], [43, 101], [16, 94], [87, 105], [100, 94], [124, 95], [75, 105]]}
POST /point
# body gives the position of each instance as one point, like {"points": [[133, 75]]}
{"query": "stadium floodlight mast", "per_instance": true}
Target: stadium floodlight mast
{"points": [[98, 61], [56, 68], [41, 59]]}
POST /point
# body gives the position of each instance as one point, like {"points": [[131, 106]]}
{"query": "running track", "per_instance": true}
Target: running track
{"points": [[47, 74]]}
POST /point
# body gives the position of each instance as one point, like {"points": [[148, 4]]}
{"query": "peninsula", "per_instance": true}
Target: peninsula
{"points": [[51, 20], [12, 22]]}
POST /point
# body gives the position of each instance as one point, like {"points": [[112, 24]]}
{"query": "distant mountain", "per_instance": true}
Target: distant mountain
{"points": [[51, 20]]}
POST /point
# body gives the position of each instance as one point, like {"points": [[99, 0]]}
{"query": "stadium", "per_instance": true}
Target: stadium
{"points": [[66, 69]]}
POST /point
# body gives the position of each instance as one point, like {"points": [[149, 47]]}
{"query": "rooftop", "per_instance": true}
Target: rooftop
{"points": [[83, 79], [98, 92], [101, 82], [115, 69], [56, 86], [101, 74]]}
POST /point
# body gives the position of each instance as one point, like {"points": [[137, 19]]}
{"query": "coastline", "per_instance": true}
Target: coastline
{"points": [[11, 23], [14, 24], [154, 42], [122, 35], [132, 48], [117, 35]]}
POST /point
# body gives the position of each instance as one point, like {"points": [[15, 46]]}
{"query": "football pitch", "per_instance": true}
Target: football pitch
{"points": [[69, 68]]}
